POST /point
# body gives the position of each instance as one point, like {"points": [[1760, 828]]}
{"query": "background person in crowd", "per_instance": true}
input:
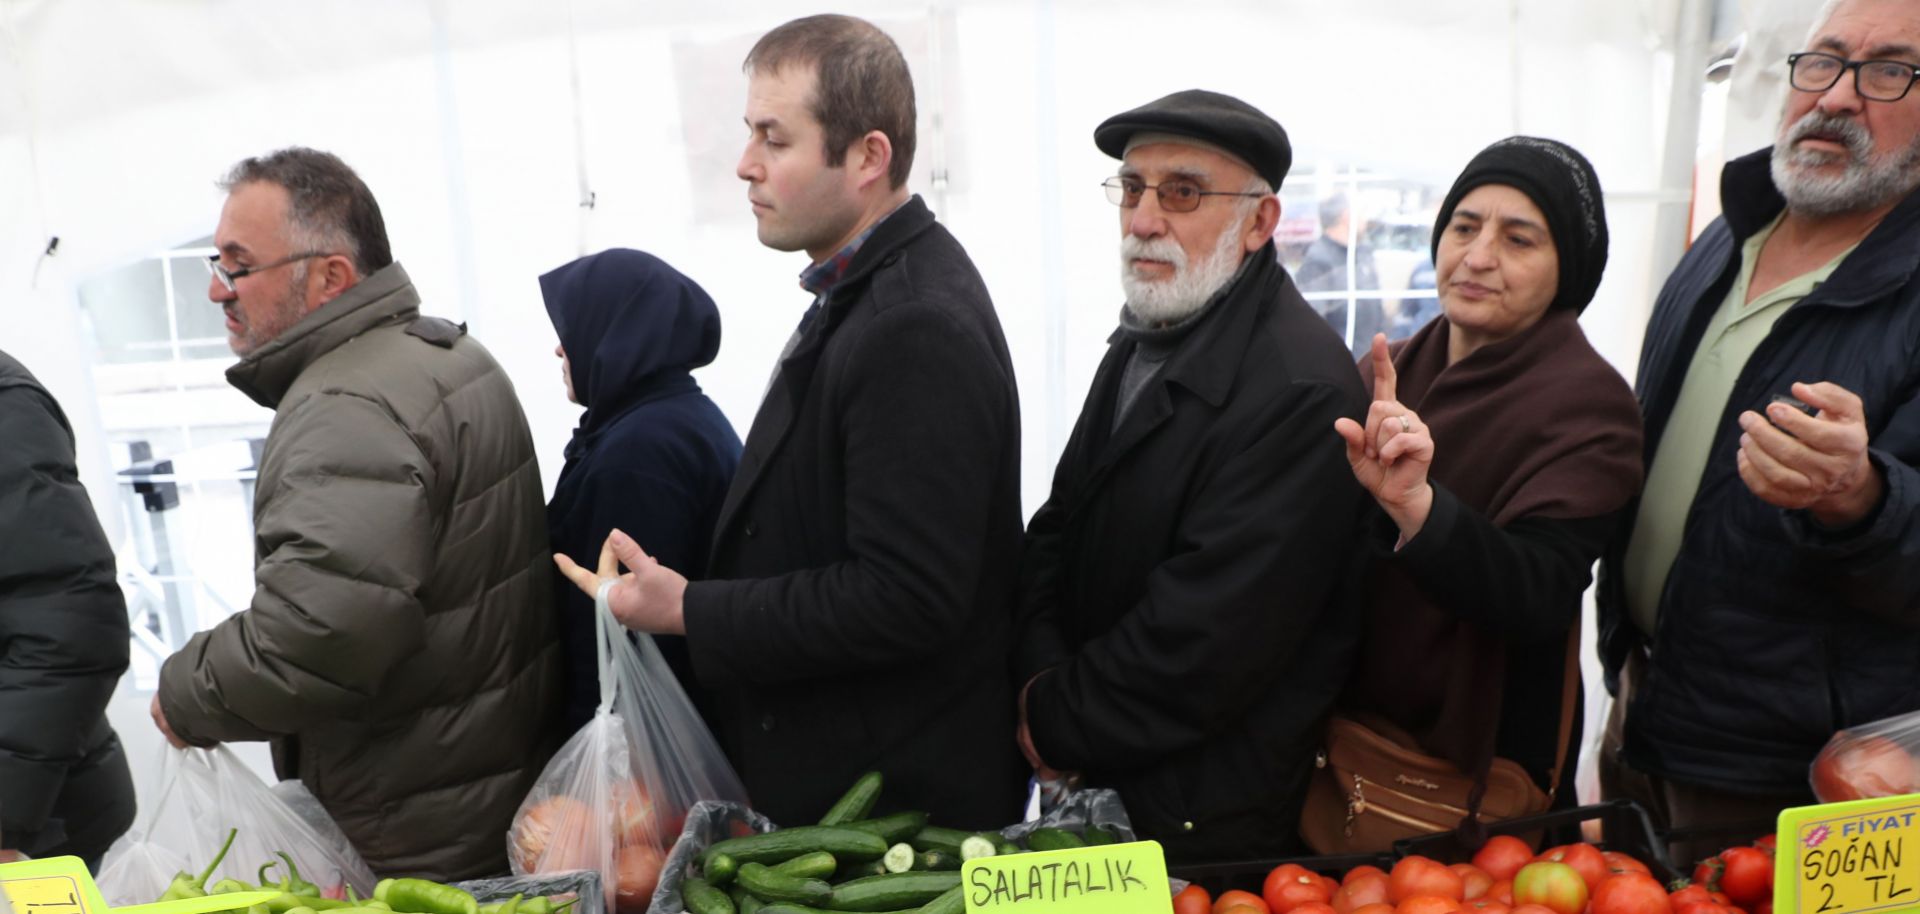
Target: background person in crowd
{"points": [[652, 455], [1767, 595], [1502, 452], [1182, 588], [64, 785], [399, 651], [856, 618], [1324, 269]]}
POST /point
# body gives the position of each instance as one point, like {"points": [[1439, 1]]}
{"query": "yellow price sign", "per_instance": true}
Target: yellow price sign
{"points": [[57, 885], [1109, 879], [1849, 858]]}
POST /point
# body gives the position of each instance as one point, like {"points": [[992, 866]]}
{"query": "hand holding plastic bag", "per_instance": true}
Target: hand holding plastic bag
{"points": [[614, 798], [1874, 760]]}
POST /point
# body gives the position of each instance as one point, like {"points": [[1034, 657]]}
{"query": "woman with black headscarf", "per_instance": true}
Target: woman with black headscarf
{"points": [[652, 455], [1502, 452]]}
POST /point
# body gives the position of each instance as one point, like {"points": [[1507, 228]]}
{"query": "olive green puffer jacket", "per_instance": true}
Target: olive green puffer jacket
{"points": [[400, 650]]}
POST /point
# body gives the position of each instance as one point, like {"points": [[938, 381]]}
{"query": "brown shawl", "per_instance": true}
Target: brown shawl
{"points": [[1534, 426]]}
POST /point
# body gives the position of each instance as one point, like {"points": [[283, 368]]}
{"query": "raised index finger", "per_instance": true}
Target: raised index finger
{"points": [[1384, 377]]}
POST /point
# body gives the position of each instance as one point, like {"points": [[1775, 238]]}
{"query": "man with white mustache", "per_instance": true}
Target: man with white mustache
{"points": [[1185, 615], [1766, 596]]}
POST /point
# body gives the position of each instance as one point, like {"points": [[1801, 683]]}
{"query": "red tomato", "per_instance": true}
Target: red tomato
{"points": [[1585, 860], [1314, 907], [1621, 863], [1692, 894], [1502, 856], [1501, 891], [1870, 767], [1487, 906], [1474, 881], [1553, 884], [1193, 900], [1370, 888], [1427, 904], [1236, 897], [1766, 843], [1375, 908], [1416, 875], [1748, 878], [1707, 873], [1290, 886], [1241, 907], [1702, 907], [1364, 869], [1765, 907], [1531, 909], [1631, 893]]}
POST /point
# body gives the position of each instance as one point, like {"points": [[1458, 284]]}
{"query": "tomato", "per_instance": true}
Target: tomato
{"points": [[1585, 860], [1766, 843], [1621, 863], [1235, 897], [636, 871], [1690, 895], [1707, 873], [1417, 875], [1531, 909], [1502, 856], [1290, 886], [1379, 907], [1241, 907], [1193, 900], [1427, 904], [1702, 907], [1631, 893], [1553, 884], [1364, 869], [1314, 907], [1501, 891], [1370, 888], [1487, 906], [1765, 907], [1748, 878], [1858, 769], [1474, 881]]}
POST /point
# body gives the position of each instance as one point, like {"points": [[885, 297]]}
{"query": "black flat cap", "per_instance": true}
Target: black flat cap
{"points": [[1222, 120]]}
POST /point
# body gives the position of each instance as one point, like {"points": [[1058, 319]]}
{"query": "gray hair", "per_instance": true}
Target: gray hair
{"points": [[329, 209], [1820, 20]]}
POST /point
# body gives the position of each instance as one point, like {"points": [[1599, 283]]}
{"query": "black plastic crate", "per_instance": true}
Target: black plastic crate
{"points": [[1624, 827], [1251, 875]]}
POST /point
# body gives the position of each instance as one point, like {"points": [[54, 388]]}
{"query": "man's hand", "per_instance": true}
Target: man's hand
{"points": [[160, 720], [1816, 463], [647, 598]]}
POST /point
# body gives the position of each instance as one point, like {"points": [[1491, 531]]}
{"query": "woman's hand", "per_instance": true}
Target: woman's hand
{"points": [[1391, 455]]}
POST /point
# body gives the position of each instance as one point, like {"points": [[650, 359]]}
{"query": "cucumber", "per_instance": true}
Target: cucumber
{"points": [[898, 859], [1005, 848], [856, 802], [901, 826], [719, 869], [744, 902], [851, 871], [935, 861], [1053, 839], [788, 843], [702, 898], [784, 908], [770, 886], [954, 902], [977, 847], [935, 838], [892, 892], [1099, 837], [817, 865]]}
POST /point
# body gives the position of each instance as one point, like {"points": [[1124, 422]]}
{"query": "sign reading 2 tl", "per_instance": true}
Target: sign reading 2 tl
{"points": [[1849, 858]]}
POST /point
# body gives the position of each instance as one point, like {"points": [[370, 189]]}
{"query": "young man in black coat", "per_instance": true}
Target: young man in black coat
{"points": [[1184, 587], [857, 616], [64, 785]]}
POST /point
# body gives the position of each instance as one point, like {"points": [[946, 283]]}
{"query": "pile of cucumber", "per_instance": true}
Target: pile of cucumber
{"points": [[849, 862]]}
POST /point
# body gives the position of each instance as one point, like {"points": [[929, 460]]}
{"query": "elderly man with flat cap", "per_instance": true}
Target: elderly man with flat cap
{"points": [[1187, 586]]}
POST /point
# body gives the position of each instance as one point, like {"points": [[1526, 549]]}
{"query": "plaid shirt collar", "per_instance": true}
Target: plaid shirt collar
{"points": [[822, 276]]}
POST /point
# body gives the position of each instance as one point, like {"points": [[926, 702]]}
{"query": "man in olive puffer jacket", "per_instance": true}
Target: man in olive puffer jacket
{"points": [[400, 649]]}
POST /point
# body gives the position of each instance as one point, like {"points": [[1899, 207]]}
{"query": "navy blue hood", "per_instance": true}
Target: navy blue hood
{"points": [[631, 325]]}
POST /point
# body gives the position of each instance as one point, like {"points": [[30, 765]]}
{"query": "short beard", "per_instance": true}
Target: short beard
{"points": [[1171, 300], [1864, 185], [286, 312]]}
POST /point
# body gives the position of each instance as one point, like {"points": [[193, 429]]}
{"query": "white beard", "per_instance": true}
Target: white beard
{"points": [[1171, 300], [1866, 182]]}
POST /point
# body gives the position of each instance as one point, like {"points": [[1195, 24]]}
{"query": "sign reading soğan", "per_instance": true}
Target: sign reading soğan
{"points": [[1108, 879], [1849, 858]]}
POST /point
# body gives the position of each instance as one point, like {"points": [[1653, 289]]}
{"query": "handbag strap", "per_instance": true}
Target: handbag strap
{"points": [[1569, 693]]}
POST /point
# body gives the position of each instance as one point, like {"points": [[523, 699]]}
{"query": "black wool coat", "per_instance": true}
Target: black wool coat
{"points": [[862, 571]]}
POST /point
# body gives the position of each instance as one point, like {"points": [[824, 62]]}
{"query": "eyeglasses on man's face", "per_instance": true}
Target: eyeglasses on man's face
{"points": [[228, 277], [1878, 80], [1177, 195]]}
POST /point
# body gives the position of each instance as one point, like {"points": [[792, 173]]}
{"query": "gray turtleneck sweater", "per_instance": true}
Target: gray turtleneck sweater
{"points": [[1155, 344]]}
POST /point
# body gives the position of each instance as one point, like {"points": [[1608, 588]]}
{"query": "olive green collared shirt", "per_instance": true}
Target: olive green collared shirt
{"points": [[1737, 329]]}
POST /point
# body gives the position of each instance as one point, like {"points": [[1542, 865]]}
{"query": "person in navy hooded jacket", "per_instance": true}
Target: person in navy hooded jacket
{"points": [[652, 455]]}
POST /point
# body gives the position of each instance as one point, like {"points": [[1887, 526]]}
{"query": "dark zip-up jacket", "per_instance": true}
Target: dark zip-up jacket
{"points": [[1772, 632]]}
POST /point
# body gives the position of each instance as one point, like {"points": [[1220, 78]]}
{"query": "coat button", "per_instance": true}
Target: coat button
{"points": [[752, 528], [766, 723], [1186, 826]]}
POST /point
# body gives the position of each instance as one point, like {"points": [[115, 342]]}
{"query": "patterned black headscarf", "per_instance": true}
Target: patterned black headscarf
{"points": [[1559, 180]]}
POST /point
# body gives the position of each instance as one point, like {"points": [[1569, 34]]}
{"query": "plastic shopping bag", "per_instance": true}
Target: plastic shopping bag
{"points": [[204, 794], [616, 795], [1873, 760]]}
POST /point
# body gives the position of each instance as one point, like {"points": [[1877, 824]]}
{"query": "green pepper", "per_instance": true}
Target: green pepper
{"points": [[187, 885], [229, 886], [420, 896], [293, 884], [285, 903], [300, 909], [541, 904]]}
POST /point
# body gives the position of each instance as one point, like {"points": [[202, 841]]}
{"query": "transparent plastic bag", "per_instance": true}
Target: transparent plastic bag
{"points": [[1871, 760], [708, 822], [614, 799], [1077, 810], [204, 794]]}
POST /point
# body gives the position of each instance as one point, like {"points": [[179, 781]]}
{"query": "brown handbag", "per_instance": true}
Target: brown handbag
{"points": [[1373, 786]]}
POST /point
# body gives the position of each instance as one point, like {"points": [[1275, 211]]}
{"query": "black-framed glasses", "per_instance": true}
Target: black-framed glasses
{"points": [[1879, 80], [1177, 195], [228, 277]]}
